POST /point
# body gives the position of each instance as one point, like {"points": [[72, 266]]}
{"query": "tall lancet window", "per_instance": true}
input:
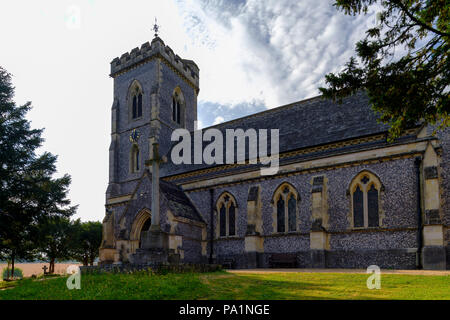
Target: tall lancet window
{"points": [[135, 160], [285, 201], [137, 105], [365, 197], [227, 215], [178, 107], [136, 96]]}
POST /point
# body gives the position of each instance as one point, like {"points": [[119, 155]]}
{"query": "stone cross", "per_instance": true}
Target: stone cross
{"points": [[154, 162], [45, 269]]}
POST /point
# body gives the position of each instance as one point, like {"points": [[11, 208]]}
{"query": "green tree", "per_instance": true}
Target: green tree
{"points": [[56, 237], [28, 190], [88, 240], [407, 87]]}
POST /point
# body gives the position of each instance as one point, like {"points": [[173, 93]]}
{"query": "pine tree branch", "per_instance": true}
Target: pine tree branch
{"points": [[422, 24]]}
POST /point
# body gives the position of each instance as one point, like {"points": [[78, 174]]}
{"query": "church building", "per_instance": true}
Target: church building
{"points": [[343, 197]]}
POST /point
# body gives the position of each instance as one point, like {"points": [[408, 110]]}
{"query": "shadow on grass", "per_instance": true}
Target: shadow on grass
{"points": [[223, 285], [265, 287], [317, 286]]}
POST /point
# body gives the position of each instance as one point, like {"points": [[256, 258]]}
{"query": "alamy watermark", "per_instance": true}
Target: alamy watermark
{"points": [[374, 281], [74, 280], [231, 149], [73, 17]]}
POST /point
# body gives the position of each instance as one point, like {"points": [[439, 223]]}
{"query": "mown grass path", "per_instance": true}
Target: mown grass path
{"points": [[223, 285]]}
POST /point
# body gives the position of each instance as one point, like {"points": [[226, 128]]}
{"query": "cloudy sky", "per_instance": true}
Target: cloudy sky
{"points": [[252, 55]]}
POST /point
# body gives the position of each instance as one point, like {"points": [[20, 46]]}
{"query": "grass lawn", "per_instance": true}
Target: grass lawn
{"points": [[223, 285]]}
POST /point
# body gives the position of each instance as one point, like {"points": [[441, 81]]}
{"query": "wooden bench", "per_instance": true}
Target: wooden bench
{"points": [[228, 263], [283, 260]]}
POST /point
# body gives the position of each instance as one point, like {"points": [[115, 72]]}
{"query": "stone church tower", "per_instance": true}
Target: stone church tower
{"points": [[155, 92]]}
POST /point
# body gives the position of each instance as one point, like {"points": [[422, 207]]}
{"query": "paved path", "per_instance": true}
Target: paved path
{"points": [[383, 271]]}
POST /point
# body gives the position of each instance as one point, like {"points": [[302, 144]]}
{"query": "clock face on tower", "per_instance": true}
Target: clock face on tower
{"points": [[134, 136]]}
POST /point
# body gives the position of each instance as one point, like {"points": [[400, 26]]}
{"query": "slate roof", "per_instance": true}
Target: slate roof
{"points": [[179, 203], [307, 123]]}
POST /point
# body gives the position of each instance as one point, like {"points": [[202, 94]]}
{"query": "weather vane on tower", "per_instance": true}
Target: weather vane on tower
{"points": [[156, 28]]}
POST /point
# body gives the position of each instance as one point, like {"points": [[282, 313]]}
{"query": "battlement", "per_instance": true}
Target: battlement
{"points": [[148, 51]]}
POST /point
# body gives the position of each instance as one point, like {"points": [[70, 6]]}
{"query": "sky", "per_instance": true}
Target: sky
{"points": [[253, 55]]}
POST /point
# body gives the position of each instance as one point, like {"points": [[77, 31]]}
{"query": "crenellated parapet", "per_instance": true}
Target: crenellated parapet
{"points": [[187, 69]]}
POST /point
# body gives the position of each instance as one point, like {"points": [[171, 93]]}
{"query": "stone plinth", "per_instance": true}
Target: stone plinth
{"points": [[153, 256], [154, 248], [155, 238], [434, 258]]}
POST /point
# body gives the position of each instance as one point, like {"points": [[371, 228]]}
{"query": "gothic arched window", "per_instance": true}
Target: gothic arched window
{"points": [[227, 218], [135, 159], [135, 97], [286, 200], [365, 196], [177, 106]]}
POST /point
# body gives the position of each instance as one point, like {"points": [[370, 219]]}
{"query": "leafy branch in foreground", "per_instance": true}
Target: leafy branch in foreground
{"points": [[403, 88]]}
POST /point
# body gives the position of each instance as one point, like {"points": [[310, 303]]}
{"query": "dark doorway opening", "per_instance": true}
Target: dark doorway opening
{"points": [[145, 227]]}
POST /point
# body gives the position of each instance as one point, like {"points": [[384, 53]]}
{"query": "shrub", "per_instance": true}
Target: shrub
{"points": [[17, 273]]}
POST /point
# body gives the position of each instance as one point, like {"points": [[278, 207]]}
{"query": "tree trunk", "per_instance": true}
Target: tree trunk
{"points": [[8, 269], [13, 256], [51, 269]]}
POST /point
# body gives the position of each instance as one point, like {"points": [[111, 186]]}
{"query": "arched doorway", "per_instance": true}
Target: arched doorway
{"points": [[141, 223], [145, 227]]}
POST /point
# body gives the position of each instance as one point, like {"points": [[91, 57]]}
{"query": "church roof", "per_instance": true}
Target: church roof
{"points": [[303, 124], [179, 203]]}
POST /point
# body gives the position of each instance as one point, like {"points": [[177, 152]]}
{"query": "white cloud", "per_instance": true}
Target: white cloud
{"points": [[276, 51], [218, 120]]}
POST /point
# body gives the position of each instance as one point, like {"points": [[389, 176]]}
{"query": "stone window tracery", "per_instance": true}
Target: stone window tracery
{"points": [[365, 198], [227, 218], [178, 107], [286, 208], [135, 98]]}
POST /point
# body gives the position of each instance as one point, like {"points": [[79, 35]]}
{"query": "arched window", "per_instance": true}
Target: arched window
{"points": [[227, 210], [135, 159], [135, 97], [285, 201], [177, 106], [365, 196]]}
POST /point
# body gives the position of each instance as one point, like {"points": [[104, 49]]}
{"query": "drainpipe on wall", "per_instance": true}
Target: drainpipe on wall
{"points": [[211, 227], [417, 163]]}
